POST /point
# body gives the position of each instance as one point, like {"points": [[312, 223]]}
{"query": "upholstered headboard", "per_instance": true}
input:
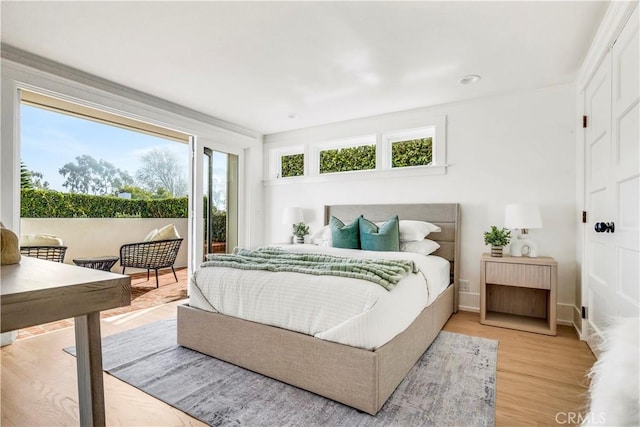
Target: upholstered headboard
{"points": [[444, 215]]}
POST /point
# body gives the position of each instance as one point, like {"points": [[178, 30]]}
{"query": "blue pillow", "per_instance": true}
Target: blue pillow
{"points": [[345, 236], [384, 238]]}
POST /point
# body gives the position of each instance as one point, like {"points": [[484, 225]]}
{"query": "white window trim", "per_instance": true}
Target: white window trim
{"points": [[434, 127], [391, 138], [275, 160]]}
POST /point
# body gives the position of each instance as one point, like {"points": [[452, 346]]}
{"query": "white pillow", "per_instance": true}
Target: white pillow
{"points": [[165, 233], [151, 235], [40, 240], [322, 237], [422, 247], [411, 230]]}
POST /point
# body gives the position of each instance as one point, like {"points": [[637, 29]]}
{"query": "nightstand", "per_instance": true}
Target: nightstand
{"points": [[519, 293]]}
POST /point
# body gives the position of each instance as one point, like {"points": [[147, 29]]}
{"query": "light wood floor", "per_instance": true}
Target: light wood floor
{"points": [[538, 377]]}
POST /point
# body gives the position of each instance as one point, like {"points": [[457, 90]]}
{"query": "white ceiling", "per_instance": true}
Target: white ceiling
{"points": [[257, 63]]}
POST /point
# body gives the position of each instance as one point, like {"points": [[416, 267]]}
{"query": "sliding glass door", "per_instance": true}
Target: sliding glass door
{"points": [[215, 194], [220, 189]]}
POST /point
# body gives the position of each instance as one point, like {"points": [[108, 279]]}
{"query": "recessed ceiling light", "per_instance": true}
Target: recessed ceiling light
{"points": [[469, 80]]}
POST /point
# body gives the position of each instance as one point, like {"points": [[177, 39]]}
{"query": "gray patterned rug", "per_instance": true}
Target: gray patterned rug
{"points": [[453, 384]]}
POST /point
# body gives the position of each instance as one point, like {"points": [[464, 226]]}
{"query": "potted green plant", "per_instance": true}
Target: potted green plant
{"points": [[497, 238], [300, 230]]}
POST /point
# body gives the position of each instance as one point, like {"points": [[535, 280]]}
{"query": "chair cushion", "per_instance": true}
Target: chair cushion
{"points": [[40, 240], [165, 233]]}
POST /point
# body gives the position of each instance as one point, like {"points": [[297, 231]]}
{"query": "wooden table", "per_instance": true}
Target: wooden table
{"points": [[38, 291]]}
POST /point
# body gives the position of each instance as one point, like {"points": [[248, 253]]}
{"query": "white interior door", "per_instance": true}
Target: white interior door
{"points": [[612, 255]]}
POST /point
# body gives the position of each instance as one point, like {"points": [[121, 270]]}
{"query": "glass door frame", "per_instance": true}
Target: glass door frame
{"points": [[197, 146]]}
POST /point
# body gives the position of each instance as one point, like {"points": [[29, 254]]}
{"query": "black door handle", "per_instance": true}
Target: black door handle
{"points": [[601, 227]]}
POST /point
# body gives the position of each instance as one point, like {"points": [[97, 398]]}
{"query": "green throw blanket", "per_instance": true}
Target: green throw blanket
{"points": [[386, 273]]}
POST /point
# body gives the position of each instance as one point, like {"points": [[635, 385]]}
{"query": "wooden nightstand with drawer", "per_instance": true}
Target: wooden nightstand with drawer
{"points": [[519, 293]]}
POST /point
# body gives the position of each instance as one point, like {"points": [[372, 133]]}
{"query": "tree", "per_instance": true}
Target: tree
{"points": [[31, 179], [162, 170], [37, 181], [90, 176], [25, 176]]}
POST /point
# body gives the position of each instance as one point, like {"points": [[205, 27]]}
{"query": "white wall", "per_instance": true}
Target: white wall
{"points": [[512, 148], [92, 237]]}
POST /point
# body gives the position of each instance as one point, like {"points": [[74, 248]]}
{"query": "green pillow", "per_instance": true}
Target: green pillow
{"points": [[385, 238], [345, 236]]}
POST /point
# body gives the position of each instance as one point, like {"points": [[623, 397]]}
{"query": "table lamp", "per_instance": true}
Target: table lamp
{"points": [[523, 217]]}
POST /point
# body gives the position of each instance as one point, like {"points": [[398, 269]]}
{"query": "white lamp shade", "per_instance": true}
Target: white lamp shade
{"points": [[292, 216], [522, 216]]}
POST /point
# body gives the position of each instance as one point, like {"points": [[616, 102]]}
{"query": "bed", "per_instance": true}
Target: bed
{"points": [[361, 378]]}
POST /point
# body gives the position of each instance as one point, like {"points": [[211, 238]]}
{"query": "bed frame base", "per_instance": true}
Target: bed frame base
{"points": [[358, 378]]}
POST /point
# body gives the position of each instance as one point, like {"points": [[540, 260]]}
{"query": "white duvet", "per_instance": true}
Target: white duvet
{"points": [[354, 312]]}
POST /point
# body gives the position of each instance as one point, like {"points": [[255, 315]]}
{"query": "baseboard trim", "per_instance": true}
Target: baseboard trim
{"points": [[469, 309]]}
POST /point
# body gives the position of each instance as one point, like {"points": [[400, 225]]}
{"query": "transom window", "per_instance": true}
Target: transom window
{"points": [[362, 157], [292, 165], [418, 151], [411, 148]]}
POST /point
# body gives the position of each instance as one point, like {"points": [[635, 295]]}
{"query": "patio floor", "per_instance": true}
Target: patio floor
{"points": [[143, 295]]}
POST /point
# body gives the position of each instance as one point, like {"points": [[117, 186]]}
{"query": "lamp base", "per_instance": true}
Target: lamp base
{"points": [[523, 246]]}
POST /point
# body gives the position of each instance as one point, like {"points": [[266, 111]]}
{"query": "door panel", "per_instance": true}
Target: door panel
{"points": [[628, 155], [626, 170], [598, 193], [611, 287]]}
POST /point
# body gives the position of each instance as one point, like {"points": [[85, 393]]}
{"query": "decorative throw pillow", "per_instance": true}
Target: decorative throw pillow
{"points": [[151, 235], [384, 238], [166, 233], [422, 247], [345, 236], [9, 247]]}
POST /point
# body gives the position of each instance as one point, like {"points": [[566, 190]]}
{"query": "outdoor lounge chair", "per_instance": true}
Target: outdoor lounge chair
{"points": [[50, 253], [152, 255]]}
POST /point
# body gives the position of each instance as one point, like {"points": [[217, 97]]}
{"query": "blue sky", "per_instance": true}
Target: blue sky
{"points": [[49, 140]]}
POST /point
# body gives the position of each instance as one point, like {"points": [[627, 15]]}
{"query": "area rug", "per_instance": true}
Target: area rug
{"points": [[453, 384]]}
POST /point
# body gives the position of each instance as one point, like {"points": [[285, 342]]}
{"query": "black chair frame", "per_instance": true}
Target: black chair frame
{"points": [[152, 255]]}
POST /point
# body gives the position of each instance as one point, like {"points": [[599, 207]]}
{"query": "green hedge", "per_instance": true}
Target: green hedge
{"points": [[219, 219], [292, 165], [54, 204], [414, 152], [219, 226], [348, 159]]}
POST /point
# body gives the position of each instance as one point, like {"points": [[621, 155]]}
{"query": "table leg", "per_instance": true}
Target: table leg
{"points": [[89, 363]]}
